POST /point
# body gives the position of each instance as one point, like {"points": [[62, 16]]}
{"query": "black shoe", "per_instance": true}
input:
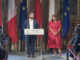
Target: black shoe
{"points": [[33, 56]]}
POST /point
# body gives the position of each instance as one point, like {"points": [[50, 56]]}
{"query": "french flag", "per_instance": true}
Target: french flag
{"points": [[12, 23], [38, 12]]}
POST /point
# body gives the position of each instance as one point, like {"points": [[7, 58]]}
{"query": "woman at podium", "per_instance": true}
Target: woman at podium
{"points": [[54, 36]]}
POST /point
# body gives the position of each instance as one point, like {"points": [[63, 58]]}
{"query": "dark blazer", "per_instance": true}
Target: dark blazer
{"points": [[35, 24]]}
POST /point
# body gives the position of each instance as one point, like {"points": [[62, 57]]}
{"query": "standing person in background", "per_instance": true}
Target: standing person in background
{"points": [[0, 35], [3, 47], [0, 43], [31, 23], [54, 36], [76, 43], [4, 44]]}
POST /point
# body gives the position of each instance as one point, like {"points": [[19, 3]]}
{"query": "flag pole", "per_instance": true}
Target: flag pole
{"points": [[67, 41], [67, 48], [2, 10]]}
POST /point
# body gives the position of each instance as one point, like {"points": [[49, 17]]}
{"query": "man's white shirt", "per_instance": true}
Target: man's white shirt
{"points": [[31, 23]]}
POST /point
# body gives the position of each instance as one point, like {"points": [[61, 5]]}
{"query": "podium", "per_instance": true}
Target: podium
{"points": [[34, 32]]}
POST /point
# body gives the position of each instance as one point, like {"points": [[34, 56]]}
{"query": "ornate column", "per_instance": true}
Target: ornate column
{"points": [[51, 8]]}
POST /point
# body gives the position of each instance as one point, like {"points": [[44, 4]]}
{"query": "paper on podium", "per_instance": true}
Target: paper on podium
{"points": [[33, 31]]}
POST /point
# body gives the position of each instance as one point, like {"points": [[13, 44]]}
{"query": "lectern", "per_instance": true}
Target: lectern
{"points": [[34, 32]]}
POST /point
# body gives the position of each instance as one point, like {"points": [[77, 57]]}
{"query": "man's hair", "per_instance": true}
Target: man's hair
{"points": [[30, 13]]}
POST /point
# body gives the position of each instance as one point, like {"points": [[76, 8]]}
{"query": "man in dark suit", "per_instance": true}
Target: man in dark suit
{"points": [[31, 23]]}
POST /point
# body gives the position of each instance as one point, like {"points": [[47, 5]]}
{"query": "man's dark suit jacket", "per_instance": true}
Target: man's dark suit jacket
{"points": [[35, 26]]}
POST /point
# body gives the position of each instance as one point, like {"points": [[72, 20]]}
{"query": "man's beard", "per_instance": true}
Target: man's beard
{"points": [[31, 17]]}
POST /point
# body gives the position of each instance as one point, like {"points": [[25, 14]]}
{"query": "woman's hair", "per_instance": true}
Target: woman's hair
{"points": [[54, 15]]}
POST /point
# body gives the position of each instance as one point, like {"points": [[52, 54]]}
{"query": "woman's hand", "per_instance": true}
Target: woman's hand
{"points": [[55, 33]]}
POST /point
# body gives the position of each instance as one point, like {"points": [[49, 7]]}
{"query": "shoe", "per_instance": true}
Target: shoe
{"points": [[54, 54], [60, 56], [29, 56], [33, 56]]}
